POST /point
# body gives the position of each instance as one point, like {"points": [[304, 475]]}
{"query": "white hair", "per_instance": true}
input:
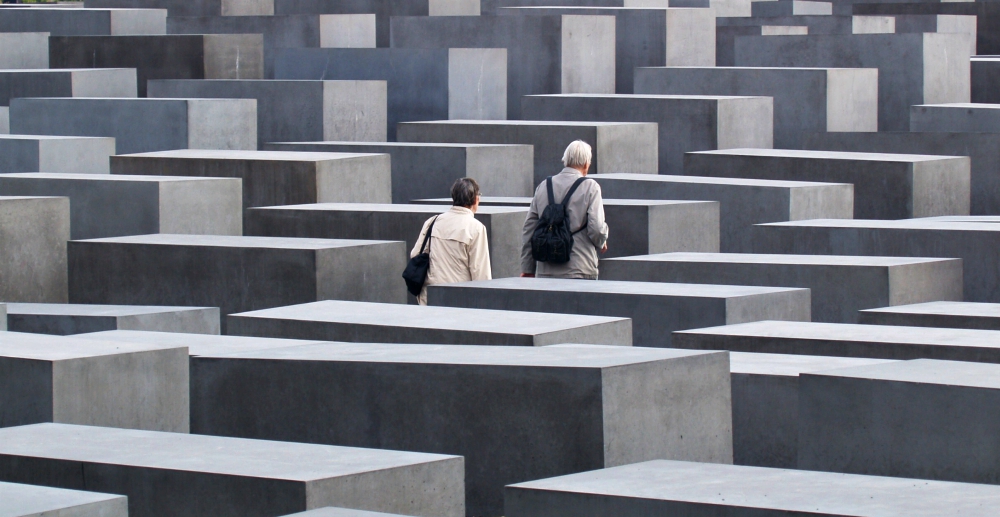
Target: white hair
{"points": [[578, 154]]}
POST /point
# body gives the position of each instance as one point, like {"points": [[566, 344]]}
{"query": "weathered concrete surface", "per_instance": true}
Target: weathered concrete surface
{"points": [[189, 8], [79, 82], [985, 71], [85, 22], [33, 235], [38, 153], [88, 382], [197, 344], [65, 319], [173, 474], [24, 50], [387, 323], [583, 407], [330, 511], [955, 117], [987, 16], [35, 501], [839, 286], [953, 314]]}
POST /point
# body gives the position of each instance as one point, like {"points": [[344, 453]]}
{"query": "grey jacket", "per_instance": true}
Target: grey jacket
{"points": [[586, 204]]}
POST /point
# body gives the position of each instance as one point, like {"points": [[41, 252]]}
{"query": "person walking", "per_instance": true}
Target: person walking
{"points": [[574, 222], [458, 248]]}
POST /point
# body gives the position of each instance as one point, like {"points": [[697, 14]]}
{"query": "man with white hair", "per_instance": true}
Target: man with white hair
{"points": [[566, 215]]}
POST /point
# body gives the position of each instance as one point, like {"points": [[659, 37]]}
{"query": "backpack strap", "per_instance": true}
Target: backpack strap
{"points": [[427, 237], [548, 185], [569, 194]]}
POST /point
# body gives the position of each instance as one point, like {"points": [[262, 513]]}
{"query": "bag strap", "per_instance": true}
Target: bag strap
{"points": [[572, 189], [427, 237], [548, 185]]}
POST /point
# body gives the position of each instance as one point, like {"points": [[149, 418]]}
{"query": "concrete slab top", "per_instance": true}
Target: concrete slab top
{"points": [[650, 96], [387, 208], [198, 344], [29, 198], [21, 500], [570, 286], [110, 177], [80, 8], [849, 332], [57, 70], [43, 347], [234, 241], [788, 365], [341, 512], [540, 123], [424, 145], [777, 259], [778, 68], [431, 317], [974, 309], [80, 309], [902, 224], [926, 371], [794, 491], [830, 155], [526, 201], [709, 180], [198, 453], [274, 156], [53, 137], [565, 356], [594, 8], [963, 218], [960, 105]]}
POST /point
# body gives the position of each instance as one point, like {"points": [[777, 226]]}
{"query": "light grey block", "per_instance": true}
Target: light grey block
{"points": [[33, 235], [770, 9], [915, 419], [88, 382], [421, 170], [3, 316], [954, 314], [383, 11], [24, 50], [742, 202], [331, 320], [985, 72], [233, 273], [686, 122], [297, 110], [839, 286], [4, 120], [276, 177], [170, 474], [197, 344], [656, 309], [37, 153], [180, 123], [390, 223], [84, 22], [886, 186], [65, 319], [700, 488], [189, 8], [330, 511], [107, 205], [617, 147], [806, 100], [957, 117], [80, 82], [766, 404], [35, 501], [580, 404]]}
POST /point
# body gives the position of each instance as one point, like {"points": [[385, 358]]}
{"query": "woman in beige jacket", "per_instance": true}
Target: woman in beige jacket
{"points": [[458, 247]]}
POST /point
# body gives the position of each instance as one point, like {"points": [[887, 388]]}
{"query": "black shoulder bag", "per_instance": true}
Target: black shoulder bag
{"points": [[415, 273]]}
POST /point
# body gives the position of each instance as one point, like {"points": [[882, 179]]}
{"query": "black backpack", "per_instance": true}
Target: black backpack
{"points": [[415, 273], [552, 240]]}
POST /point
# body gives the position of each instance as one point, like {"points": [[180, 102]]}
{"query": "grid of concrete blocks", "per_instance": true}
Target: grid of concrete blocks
{"points": [[206, 205]]}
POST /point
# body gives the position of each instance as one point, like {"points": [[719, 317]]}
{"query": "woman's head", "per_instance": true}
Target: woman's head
{"points": [[578, 155], [465, 193]]}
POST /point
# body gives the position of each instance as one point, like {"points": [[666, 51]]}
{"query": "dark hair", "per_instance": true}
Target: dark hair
{"points": [[464, 192]]}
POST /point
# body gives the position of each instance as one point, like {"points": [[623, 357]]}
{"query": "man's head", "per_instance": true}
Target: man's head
{"points": [[465, 193], [577, 156]]}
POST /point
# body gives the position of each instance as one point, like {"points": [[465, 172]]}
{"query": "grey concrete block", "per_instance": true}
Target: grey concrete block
{"points": [[954, 314], [839, 286], [766, 404], [35, 501], [81, 82], [646, 36], [806, 100], [66, 319], [728, 29], [957, 118], [545, 54], [915, 419], [846, 340], [423, 84], [698, 488], [421, 170], [24, 50], [88, 382], [330, 511], [985, 74], [656, 309], [580, 405], [85, 22], [180, 123], [925, 68], [189, 8], [686, 122], [233, 273], [770, 9], [390, 223], [169, 474], [331, 320], [941, 23], [987, 16], [742, 202], [297, 110], [3, 316], [33, 235], [886, 186], [617, 147], [276, 177], [197, 344], [37, 153], [106, 205]]}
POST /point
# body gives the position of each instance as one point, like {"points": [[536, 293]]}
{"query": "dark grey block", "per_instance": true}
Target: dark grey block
{"points": [[955, 314], [24, 50], [686, 122], [389, 223], [197, 344], [189, 8], [662, 487], [886, 186], [84, 22], [846, 340], [35, 501], [422, 170], [65, 319], [180, 123], [742, 202], [656, 309], [33, 235], [88, 382], [491, 7], [233, 273], [915, 419], [617, 147], [583, 407], [789, 8], [839, 286], [80, 82], [985, 75], [171, 474], [106, 205], [37, 153], [955, 117], [766, 404], [297, 110]]}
